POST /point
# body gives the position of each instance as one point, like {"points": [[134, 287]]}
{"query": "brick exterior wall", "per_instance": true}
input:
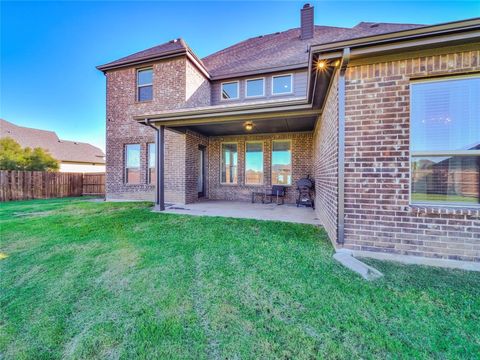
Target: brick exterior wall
{"points": [[301, 165], [197, 87], [378, 215], [325, 160], [176, 84], [192, 165]]}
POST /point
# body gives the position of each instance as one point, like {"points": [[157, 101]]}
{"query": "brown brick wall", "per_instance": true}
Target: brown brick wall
{"points": [[378, 214], [197, 87], [301, 165], [192, 165], [171, 90], [325, 161]]}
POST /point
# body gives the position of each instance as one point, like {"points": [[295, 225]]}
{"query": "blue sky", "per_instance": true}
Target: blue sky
{"points": [[49, 50]]}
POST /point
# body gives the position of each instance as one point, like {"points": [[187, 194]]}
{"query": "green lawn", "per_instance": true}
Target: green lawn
{"points": [[97, 280]]}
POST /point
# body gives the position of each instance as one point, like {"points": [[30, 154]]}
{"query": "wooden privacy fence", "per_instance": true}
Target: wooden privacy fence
{"points": [[94, 184], [24, 185]]}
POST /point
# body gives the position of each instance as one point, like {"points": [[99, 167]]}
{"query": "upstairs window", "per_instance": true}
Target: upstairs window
{"points": [[282, 84], [255, 87], [445, 141], [229, 163], [282, 162], [152, 179], [230, 90], [132, 164], [144, 84]]}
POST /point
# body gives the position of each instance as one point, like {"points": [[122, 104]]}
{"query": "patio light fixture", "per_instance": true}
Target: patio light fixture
{"points": [[321, 65], [248, 126]]}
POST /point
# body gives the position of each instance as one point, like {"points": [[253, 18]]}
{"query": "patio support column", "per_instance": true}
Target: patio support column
{"points": [[160, 168]]}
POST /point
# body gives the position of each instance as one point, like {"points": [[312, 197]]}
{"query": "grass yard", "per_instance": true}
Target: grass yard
{"points": [[94, 280]]}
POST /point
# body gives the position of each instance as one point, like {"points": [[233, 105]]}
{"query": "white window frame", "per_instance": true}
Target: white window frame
{"points": [[125, 164], [291, 161], [436, 153], [143, 85], [230, 82], [263, 163], [291, 84], [221, 162], [246, 88], [149, 177]]}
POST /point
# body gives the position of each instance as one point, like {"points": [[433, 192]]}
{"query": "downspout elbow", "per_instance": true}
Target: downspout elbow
{"points": [[148, 123]]}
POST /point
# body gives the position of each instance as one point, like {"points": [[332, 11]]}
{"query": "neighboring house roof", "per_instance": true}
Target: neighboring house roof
{"points": [[267, 52], [62, 150]]}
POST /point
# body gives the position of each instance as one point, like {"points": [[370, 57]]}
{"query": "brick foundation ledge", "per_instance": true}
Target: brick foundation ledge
{"points": [[472, 212], [418, 260]]}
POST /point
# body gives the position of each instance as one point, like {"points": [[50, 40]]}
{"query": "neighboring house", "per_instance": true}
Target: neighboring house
{"points": [[73, 156], [359, 109]]}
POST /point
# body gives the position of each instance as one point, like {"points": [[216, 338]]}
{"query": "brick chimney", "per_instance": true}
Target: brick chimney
{"points": [[306, 19]]}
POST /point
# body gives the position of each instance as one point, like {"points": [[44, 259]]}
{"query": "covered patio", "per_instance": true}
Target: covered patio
{"points": [[224, 144], [246, 210]]}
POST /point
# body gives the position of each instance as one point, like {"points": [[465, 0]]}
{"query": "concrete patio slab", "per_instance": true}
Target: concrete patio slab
{"points": [[246, 210]]}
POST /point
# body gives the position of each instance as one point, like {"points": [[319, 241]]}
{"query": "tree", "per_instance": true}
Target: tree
{"points": [[13, 157]]}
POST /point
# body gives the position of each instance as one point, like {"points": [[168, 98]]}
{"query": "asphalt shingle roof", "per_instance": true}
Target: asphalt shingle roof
{"points": [[286, 48], [280, 49], [169, 47], [62, 150]]}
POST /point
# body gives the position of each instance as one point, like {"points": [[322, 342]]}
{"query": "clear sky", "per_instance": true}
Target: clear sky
{"points": [[49, 50]]}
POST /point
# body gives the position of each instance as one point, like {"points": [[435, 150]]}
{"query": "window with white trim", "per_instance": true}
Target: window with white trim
{"points": [[253, 162], [229, 158], [145, 84], [132, 163], [282, 162], [151, 174], [282, 84], [230, 90], [255, 87], [445, 141]]}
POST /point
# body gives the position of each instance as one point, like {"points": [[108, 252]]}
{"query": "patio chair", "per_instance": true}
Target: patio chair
{"points": [[278, 192]]}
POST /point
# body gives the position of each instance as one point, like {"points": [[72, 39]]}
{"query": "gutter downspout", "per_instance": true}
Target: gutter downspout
{"points": [[159, 165], [341, 148]]}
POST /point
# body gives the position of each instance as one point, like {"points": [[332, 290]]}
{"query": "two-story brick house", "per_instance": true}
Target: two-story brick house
{"points": [[384, 117]]}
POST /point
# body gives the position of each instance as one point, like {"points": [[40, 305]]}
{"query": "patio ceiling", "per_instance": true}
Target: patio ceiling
{"points": [[260, 126]]}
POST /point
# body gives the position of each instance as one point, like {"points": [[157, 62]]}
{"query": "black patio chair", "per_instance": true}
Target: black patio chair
{"points": [[278, 192]]}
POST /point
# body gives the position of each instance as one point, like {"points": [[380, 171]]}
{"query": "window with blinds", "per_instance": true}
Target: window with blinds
{"points": [[445, 141]]}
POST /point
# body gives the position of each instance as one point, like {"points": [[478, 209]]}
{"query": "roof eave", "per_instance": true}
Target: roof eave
{"points": [[236, 110], [302, 65]]}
